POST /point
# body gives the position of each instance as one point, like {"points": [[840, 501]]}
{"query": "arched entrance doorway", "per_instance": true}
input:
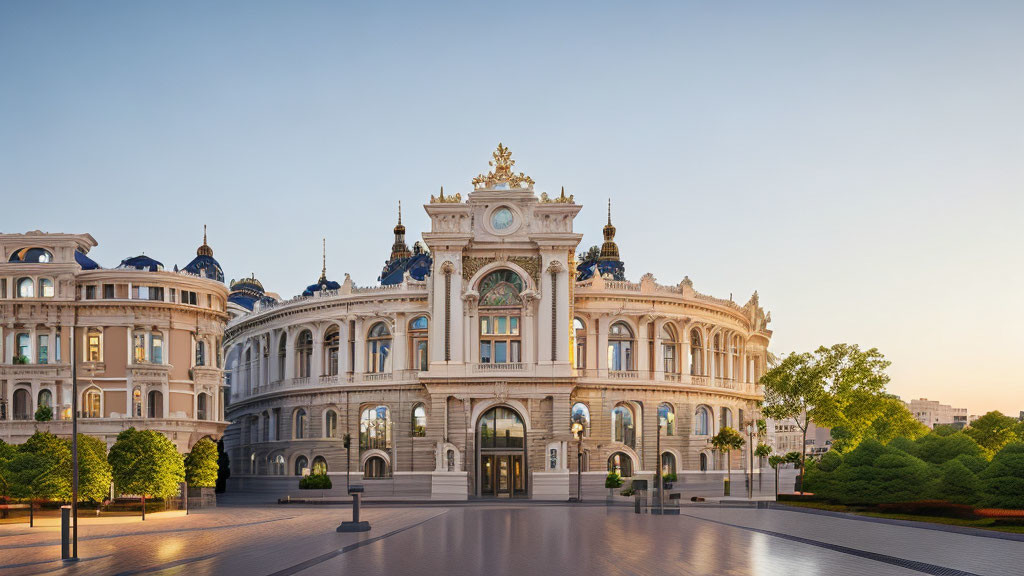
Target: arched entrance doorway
{"points": [[501, 449]]}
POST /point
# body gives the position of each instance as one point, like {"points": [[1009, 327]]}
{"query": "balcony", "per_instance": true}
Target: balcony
{"points": [[499, 367]]}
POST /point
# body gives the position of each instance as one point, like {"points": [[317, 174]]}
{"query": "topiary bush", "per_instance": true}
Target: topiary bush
{"points": [[957, 483], [936, 449], [315, 482], [1002, 483], [613, 480]]}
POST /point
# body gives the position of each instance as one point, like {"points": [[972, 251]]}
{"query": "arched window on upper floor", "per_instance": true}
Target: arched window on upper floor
{"points": [[282, 354], [378, 349], [304, 354], [667, 418], [622, 425], [419, 420], [375, 429], [330, 424], [696, 353], [579, 330], [725, 418], [45, 288], [332, 347], [501, 308], [669, 346], [26, 288], [418, 338], [702, 421], [621, 347], [32, 255]]}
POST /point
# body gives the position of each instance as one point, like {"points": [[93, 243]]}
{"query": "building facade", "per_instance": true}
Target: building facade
{"points": [[933, 413], [461, 374], [146, 341]]}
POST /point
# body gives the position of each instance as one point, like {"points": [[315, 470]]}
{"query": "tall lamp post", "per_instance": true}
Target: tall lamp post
{"points": [[661, 477], [74, 446], [750, 450], [577, 431]]}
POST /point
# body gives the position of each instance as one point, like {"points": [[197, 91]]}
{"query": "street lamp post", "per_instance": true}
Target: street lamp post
{"points": [[661, 478], [750, 450], [74, 446], [577, 431]]}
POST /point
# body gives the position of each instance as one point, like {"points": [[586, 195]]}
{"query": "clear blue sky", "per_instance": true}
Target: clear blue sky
{"points": [[860, 164]]}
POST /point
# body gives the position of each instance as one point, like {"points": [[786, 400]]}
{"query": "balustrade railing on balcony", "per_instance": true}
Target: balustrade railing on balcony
{"points": [[624, 374], [499, 367]]}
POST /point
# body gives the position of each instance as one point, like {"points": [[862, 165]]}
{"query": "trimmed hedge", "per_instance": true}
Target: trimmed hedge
{"points": [[315, 482]]}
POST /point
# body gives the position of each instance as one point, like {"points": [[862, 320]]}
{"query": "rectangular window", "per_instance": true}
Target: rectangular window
{"points": [[140, 348], [23, 341], [156, 293], [485, 325], [501, 325], [514, 352], [43, 350], [93, 347], [140, 292], [514, 325], [174, 295], [501, 352], [209, 300], [56, 348], [156, 349], [485, 352], [108, 291], [90, 292]]}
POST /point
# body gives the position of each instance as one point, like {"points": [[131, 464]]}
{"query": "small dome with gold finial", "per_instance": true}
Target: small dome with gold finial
{"points": [[204, 264], [606, 262], [323, 283]]}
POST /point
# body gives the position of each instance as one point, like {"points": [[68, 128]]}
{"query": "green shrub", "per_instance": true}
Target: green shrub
{"points": [[830, 461], [666, 478], [873, 474], [975, 464], [957, 483], [1002, 483], [905, 444], [44, 413], [315, 482], [936, 449], [613, 480]]}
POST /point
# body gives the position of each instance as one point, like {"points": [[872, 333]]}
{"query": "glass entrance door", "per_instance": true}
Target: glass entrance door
{"points": [[501, 475]]}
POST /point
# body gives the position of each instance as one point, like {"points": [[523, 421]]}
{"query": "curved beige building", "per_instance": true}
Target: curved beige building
{"points": [[461, 374], [147, 341]]}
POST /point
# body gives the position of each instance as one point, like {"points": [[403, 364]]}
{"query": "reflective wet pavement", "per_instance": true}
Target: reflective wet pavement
{"points": [[515, 539]]}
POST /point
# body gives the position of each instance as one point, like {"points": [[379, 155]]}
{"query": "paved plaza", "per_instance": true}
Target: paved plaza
{"points": [[514, 538]]}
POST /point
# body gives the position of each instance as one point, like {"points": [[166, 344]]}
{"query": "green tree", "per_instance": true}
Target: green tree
{"points": [[957, 483], [201, 464], [727, 440], [7, 453], [791, 388], [873, 473], [146, 463], [44, 413], [591, 255], [895, 421], [945, 429], [1002, 483], [41, 468], [94, 474], [936, 449], [993, 431]]}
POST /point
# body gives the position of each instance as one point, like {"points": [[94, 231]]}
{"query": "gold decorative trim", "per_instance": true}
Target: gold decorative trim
{"points": [[502, 173], [531, 264], [563, 199], [442, 199]]}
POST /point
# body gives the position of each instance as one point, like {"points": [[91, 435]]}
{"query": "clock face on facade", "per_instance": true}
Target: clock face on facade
{"points": [[501, 219]]}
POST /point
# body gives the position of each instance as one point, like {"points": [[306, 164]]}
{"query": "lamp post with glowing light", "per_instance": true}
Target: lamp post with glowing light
{"points": [[577, 431], [750, 478]]}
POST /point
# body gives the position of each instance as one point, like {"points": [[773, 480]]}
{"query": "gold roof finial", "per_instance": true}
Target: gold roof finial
{"points": [[399, 249], [562, 199], [502, 173], [399, 212], [323, 271], [205, 249], [442, 199], [609, 211], [609, 250]]}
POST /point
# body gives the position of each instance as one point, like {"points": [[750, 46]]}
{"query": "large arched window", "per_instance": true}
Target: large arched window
{"points": [[581, 413], [200, 353], [579, 330], [23, 344], [91, 407], [621, 464], [332, 345], [501, 427], [46, 288], [32, 255], [702, 421], [667, 418], [419, 420], [93, 346], [301, 463], [719, 355], [304, 354], [202, 406], [668, 349], [378, 349], [725, 418], [282, 351], [319, 465], [278, 465], [500, 309], [375, 468], [668, 463], [26, 288], [620, 347], [300, 424], [330, 424], [45, 398], [139, 347], [155, 404], [375, 429], [156, 348], [418, 358], [622, 425], [22, 404], [696, 354]]}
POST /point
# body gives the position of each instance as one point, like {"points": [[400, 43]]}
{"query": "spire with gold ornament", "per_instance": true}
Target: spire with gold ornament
{"points": [[609, 250], [323, 283], [603, 261], [204, 264], [399, 249]]}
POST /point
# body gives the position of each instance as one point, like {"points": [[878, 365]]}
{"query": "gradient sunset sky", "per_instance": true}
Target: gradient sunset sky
{"points": [[860, 164]]}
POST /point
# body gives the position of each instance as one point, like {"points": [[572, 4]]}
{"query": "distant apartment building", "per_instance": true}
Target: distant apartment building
{"points": [[785, 436], [933, 413]]}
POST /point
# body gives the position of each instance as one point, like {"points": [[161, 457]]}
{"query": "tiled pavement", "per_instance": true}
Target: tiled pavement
{"points": [[498, 540]]}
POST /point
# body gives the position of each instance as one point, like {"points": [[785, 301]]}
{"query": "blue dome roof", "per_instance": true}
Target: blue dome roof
{"points": [[248, 301], [417, 265], [247, 292], [585, 270], [321, 285], [85, 262], [206, 267], [142, 263]]}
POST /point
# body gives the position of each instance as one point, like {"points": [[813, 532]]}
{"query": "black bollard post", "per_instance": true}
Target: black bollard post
{"points": [[356, 491], [65, 532]]}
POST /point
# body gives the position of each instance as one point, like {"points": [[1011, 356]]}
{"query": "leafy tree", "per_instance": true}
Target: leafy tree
{"points": [[44, 413], [1002, 483], [957, 483], [936, 449], [762, 451], [41, 468], [7, 453], [591, 255], [945, 429], [993, 431], [727, 440], [201, 464], [146, 463], [895, 421], [93, 469], [791, 389], [223, 467], [906, 445]]}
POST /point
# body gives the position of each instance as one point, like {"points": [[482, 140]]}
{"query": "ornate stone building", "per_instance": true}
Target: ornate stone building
{"points": [[147, 341], [461, 374]]}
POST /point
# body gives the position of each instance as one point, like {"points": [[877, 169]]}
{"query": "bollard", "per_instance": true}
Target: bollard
{"points": [[356, 491], [636, 503], [727, 487], [65, 532]]}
